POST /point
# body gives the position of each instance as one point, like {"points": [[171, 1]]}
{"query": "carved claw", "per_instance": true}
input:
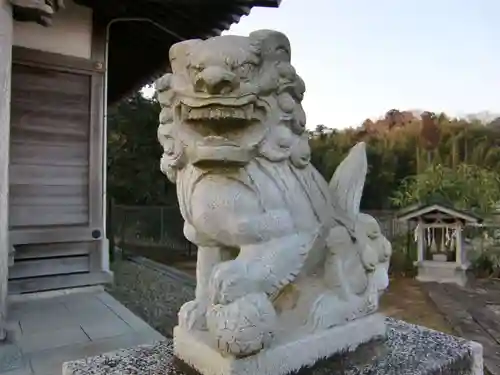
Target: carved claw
{"points": [[230, 281], [192, 315], [327, 311], [380, 279], [369, 258], [386, 250]]}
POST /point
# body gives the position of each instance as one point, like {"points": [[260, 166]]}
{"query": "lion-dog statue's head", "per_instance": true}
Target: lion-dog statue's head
{"points": [[230, 99]]}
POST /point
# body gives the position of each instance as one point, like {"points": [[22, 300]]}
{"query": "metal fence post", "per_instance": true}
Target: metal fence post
{"points": [[122, 234], [162, 229], [110, 230], [408, 242]]}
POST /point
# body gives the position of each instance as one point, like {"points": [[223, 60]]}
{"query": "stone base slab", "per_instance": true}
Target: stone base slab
{"points": [[407, 350], [441, 272], [280, 359]]}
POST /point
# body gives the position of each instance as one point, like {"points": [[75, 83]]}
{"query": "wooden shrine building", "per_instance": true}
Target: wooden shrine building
{"points": [[440, 246]]}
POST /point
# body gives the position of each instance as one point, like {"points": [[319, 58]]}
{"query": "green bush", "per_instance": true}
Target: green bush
{"points": [[486, 262], [403, 256], [484, 250]]}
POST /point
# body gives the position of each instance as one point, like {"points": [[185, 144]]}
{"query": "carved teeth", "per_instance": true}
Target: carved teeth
{"points": [[246, 112], [185, 111], [218, 140], [249, 112]]}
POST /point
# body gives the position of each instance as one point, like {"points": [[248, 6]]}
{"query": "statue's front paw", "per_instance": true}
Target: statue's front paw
{"points": [[192, 315], [230, 281], [243, 327]]}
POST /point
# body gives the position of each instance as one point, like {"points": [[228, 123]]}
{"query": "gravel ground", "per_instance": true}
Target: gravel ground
{"points": [[155, 292], [152, 291]]}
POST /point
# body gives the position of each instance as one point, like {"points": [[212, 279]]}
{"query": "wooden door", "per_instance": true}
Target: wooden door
{"points": [[55, 171]]}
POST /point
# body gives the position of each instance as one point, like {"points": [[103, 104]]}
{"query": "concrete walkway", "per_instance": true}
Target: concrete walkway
{"points": [[474, 313], [47, 332]]}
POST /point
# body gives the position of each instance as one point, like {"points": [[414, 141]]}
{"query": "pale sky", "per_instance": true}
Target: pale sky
{"points": [[360, 58]]}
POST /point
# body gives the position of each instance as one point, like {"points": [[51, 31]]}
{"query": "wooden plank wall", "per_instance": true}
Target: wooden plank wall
{"points": [[48, 259], [50, 192], [39, 267], [49, 156]]}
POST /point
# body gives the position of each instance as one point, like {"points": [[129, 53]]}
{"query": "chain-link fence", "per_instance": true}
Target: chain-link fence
{"points": [[163, 226], [389, 225], [155, 232]]}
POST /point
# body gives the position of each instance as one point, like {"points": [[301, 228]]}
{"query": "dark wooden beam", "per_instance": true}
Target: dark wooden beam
{"points": [[37, 11], [29, 56]]}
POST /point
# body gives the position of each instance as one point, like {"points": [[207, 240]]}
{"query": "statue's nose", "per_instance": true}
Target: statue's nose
{"points": [[216, 80]]}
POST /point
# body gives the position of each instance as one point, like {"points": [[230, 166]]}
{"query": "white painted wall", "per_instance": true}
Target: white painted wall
{"points": [[70, 33]]}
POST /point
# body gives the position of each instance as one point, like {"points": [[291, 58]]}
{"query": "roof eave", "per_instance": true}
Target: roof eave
{"points": [[229, 14], [264, 3], [415, 212]]}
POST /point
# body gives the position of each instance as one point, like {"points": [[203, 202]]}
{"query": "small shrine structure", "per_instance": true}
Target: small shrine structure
{"points": [[439, 237]]}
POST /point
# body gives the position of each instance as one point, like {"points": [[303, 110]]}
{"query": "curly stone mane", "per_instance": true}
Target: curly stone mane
{"points": [[262, 64]]}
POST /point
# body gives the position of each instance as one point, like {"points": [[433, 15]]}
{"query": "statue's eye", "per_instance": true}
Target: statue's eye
{"points": [[245, 70]]}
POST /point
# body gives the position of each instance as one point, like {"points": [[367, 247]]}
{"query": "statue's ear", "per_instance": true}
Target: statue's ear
{"points": [[272, 44], [180, 51], [348, 181], [163, 83]]}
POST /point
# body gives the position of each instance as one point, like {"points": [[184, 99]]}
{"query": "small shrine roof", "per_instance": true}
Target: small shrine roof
{"points": [[418, 211]]}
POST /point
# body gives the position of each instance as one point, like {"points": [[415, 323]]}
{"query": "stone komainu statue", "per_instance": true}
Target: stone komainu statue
{"points": [[281, 254]]}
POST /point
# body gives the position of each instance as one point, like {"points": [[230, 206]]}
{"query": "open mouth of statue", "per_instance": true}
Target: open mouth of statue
{"points": [[226, 128], [216, 114]]}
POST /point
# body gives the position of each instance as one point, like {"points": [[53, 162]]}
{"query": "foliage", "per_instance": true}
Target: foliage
{"points": [[466, 186], [393, 146], [484, 250], [403, 256], [486, 263], [133, 154], [461, 169], [467, 147]]}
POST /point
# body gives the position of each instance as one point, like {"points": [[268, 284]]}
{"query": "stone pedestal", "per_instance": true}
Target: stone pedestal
{"points": [[407, 350], [442, 272], [439, 257], [280, 358]]}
